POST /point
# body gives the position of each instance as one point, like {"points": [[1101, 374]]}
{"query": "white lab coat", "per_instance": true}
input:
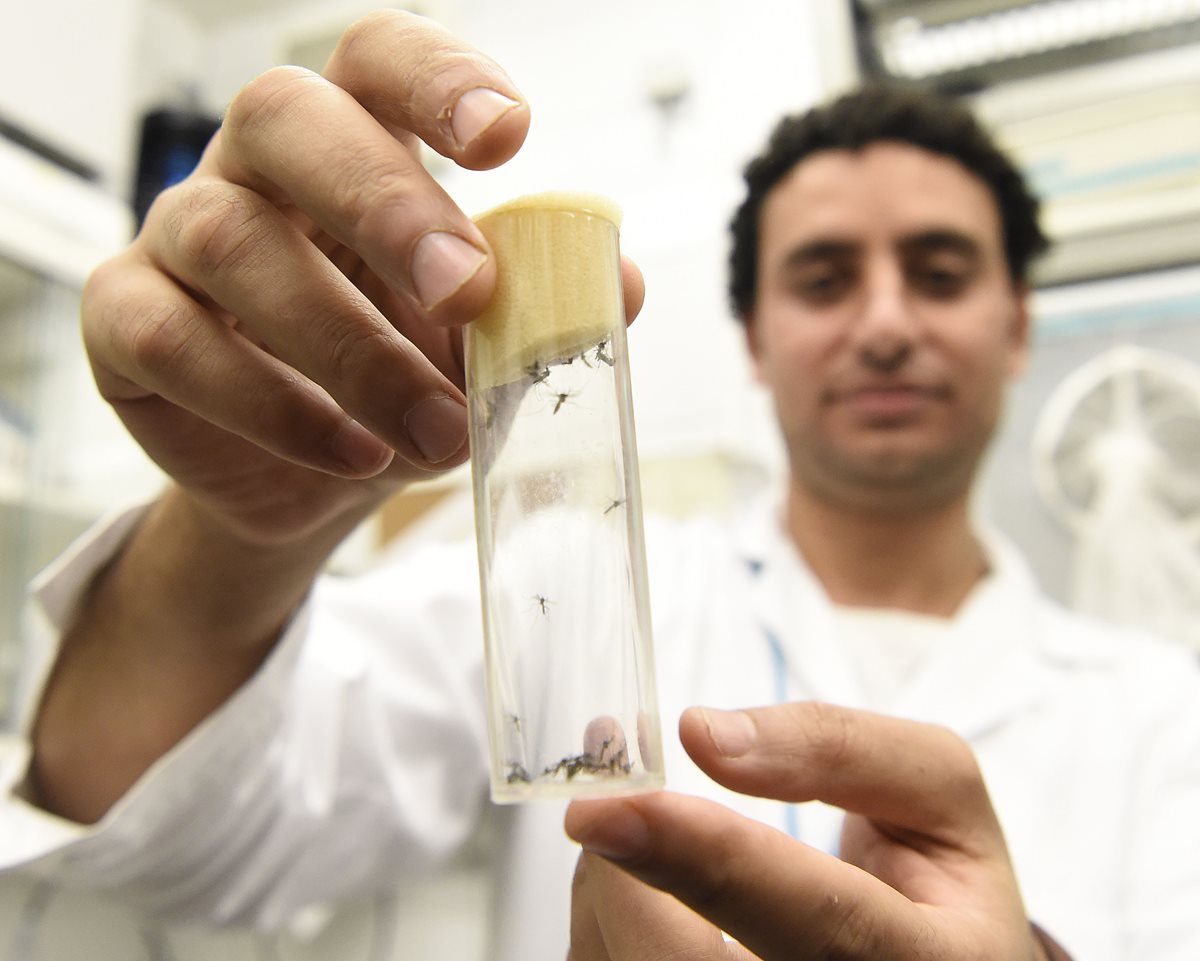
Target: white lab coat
{"points": [[355, 759]]}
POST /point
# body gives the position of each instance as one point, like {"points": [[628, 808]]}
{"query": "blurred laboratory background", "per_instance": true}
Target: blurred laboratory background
{"points": [[658, 103]]}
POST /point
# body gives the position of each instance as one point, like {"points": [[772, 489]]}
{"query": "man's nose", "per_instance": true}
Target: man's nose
{"points": [[886, 332]]}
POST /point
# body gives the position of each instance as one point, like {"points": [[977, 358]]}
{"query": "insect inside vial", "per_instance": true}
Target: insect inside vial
{"points": [[537, 371], [561, 398], [543, 603], [614, 504], [602, 353], [611, 763]]}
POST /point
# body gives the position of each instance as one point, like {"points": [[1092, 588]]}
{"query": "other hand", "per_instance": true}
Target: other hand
{"points": [[924, 874]]}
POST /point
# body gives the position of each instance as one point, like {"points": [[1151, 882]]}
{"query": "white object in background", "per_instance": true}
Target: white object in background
{"points": [[1117, 458], [53, 222], [59, 228]]}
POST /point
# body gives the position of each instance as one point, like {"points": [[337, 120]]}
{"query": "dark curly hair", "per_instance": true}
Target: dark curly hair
{"points": [[934, 122]]}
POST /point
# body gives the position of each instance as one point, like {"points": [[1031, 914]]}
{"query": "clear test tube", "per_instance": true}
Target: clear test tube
{"points": [[571, 695]]}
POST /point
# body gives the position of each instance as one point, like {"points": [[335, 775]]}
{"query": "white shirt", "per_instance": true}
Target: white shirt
{"points": [[355, 759], [888, 647]]}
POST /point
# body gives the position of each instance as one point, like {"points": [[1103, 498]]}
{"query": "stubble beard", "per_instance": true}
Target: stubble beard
{"points": [[887, 481]]}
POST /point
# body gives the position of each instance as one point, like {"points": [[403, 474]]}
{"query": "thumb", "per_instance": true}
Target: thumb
{"points": [[615, 917], [943, 887], [916, 778]]}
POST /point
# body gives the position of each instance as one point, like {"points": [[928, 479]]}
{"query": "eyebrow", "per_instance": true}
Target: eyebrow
{"points": [[942, 239], [818, 250], [923, 242]]}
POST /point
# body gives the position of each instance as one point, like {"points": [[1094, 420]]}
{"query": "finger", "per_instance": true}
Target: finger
{"points": [[247, 257], [940, 844], [633, 286], [146, 337], [779, 898], [615, 917], [414, 76], [587, 940], [911, 776], [294, 137]]}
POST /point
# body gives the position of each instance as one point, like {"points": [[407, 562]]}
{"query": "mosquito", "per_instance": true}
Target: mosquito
{"points": [[543, 603], [562, 396], [538, 371], [568, 765], [617, 502], [602, 353]]}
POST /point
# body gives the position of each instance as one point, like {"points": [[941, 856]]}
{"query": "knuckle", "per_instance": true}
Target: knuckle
{"points": [[713, 879], [415, 88], [852, 934], [103, 284], [420, 38], [266, 99], [375, 191], [365, 31], [830, 733], [167, 216], [352, 348], [159, 338], [276, 398], [164, 212], [106, 306], [217, 227]]}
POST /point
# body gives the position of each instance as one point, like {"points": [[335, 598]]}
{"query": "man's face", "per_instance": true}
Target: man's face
{"points": [[885, 323]]}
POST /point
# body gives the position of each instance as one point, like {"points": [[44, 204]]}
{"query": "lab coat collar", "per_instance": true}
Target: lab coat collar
{"points": [[994, 669]]}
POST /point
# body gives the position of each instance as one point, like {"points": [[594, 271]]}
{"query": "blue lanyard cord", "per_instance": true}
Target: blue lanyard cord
{"points": [[779, 668], [778, 665]]}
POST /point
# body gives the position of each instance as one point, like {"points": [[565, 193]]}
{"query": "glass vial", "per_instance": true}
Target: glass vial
{"points": [[571, 694]]}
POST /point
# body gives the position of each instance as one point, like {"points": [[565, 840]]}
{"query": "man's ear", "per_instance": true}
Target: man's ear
{"points": [[753, 347], [1020, 332]]}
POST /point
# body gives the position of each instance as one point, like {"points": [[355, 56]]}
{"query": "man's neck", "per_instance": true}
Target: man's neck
{"points": [[926, 561]]}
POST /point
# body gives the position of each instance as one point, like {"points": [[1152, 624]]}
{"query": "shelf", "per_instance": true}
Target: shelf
{"points": [[55, 223]]}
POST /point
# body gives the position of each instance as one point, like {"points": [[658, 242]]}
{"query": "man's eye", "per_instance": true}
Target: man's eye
{"points": [[941, 282], [821, 286]]}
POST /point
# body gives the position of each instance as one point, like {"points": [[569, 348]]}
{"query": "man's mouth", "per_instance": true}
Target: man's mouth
{"points": [[888, 402]]}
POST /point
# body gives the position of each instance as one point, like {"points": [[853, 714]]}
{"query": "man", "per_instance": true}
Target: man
{"points": [[262, 752]]}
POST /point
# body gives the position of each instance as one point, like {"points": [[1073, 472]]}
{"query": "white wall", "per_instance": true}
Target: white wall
{"points": [[171, 57], [66, 77], [587, 71]]}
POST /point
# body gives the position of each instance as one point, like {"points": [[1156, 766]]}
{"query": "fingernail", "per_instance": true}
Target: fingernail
{"points": [[360, 450], [732, 732], [437, 427], [441, 263], [476, 111], [618, 833]]}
